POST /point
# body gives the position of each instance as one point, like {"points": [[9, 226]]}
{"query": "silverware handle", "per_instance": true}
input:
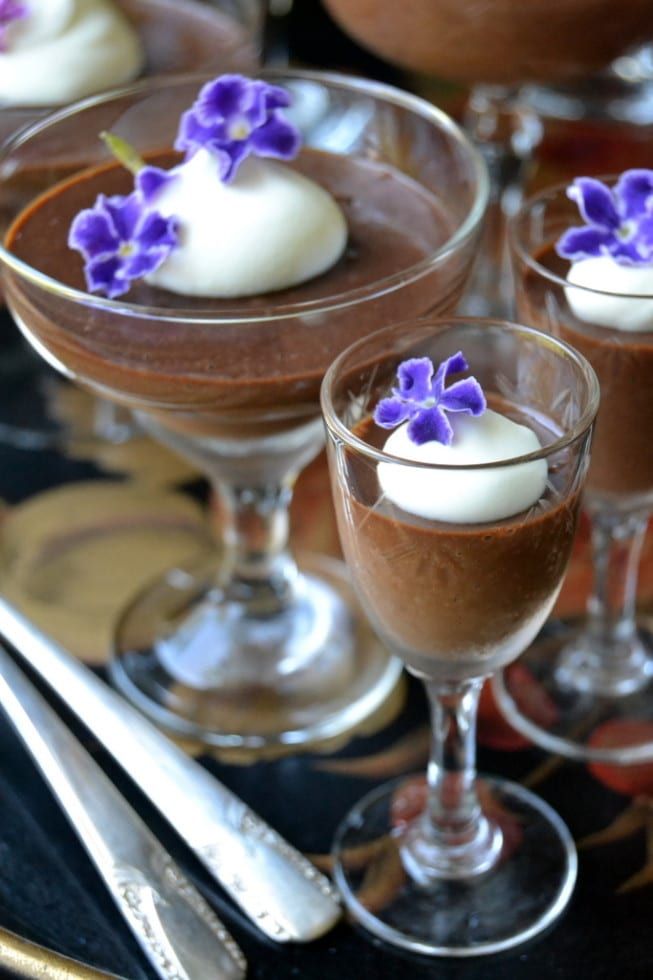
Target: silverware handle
{"points": [[176, 929], [280, 891]]}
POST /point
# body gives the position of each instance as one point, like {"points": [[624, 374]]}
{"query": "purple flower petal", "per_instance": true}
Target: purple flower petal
{"points": [[104, 275], [430, 425], [276, 138], [414, 377], [192, 134], [452, 365], [276, 97], [125, 212], [634, 190], [223, 97], [229, 158], [93, 234], [464, 396], [150, 180], [583, 243], [625, 253], [595, 203], [143, 263], [390, 412], [155, 231], [645, 233], [10, 10]]}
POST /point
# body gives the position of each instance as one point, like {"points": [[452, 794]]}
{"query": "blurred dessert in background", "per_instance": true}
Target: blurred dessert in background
{"points": [[503, 42]]}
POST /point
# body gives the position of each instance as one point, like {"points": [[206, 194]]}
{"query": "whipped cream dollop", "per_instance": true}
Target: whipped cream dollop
{"points": [[269, 229], [605, 307], [466, 496], [66, 49]]}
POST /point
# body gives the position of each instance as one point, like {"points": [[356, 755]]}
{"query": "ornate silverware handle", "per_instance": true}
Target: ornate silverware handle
{"points": [[176, 929], [272, 882]]}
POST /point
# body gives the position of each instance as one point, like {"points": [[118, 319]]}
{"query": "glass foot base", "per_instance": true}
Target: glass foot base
{"points": [[521, 895], [185, 659], [556, 697]]}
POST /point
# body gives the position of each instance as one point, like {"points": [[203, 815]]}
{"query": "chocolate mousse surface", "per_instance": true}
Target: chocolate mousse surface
{"points": [[245, 366], [622, 450], [455, 593], [503, 41]]}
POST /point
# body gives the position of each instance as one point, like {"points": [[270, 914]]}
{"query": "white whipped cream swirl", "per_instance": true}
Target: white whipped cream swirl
{"points": [[466, 496], [270, 229], [67, 49], [604, 306]]}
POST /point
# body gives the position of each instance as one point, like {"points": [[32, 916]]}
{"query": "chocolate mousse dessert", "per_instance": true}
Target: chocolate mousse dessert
{"points": [[506, 41], [56, 51], [263, 237], [457, 569], [53, 52], [602, 304]]}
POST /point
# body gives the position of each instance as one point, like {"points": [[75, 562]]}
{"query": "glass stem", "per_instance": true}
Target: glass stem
{"points": [[453, 806], [261, 571], [617, 546], [506, 132], [453, 838]]}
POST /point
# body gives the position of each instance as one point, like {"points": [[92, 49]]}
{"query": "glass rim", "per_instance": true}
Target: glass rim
{"points": [[262, 314], [344, 434], [547, 195]]}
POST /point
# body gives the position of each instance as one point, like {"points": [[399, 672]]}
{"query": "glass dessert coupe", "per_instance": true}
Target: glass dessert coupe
{"points": [[524, 61], [462, 866], [248, 649], [176, 36], [595, 677]]}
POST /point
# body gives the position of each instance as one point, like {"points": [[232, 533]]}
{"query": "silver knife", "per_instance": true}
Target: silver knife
{"points": [[176, 929], [274, 884]]}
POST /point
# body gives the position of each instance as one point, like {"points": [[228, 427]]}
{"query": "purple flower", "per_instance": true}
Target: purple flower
{"points": [[423, 400], [235, 117], [619, 221], [10, 10], [121, 240]]}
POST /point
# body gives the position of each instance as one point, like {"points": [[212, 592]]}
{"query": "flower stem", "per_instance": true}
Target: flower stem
{"points": [[123, 151]]}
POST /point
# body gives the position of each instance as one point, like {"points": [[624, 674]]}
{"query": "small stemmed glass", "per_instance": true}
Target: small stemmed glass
{"points": [[460, 865], [594, 677]]}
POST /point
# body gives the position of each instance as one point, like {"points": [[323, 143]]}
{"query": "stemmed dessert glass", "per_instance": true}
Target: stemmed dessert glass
{"points": [[177, 36], [594, 677], [460, 865], [249, 648]]}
